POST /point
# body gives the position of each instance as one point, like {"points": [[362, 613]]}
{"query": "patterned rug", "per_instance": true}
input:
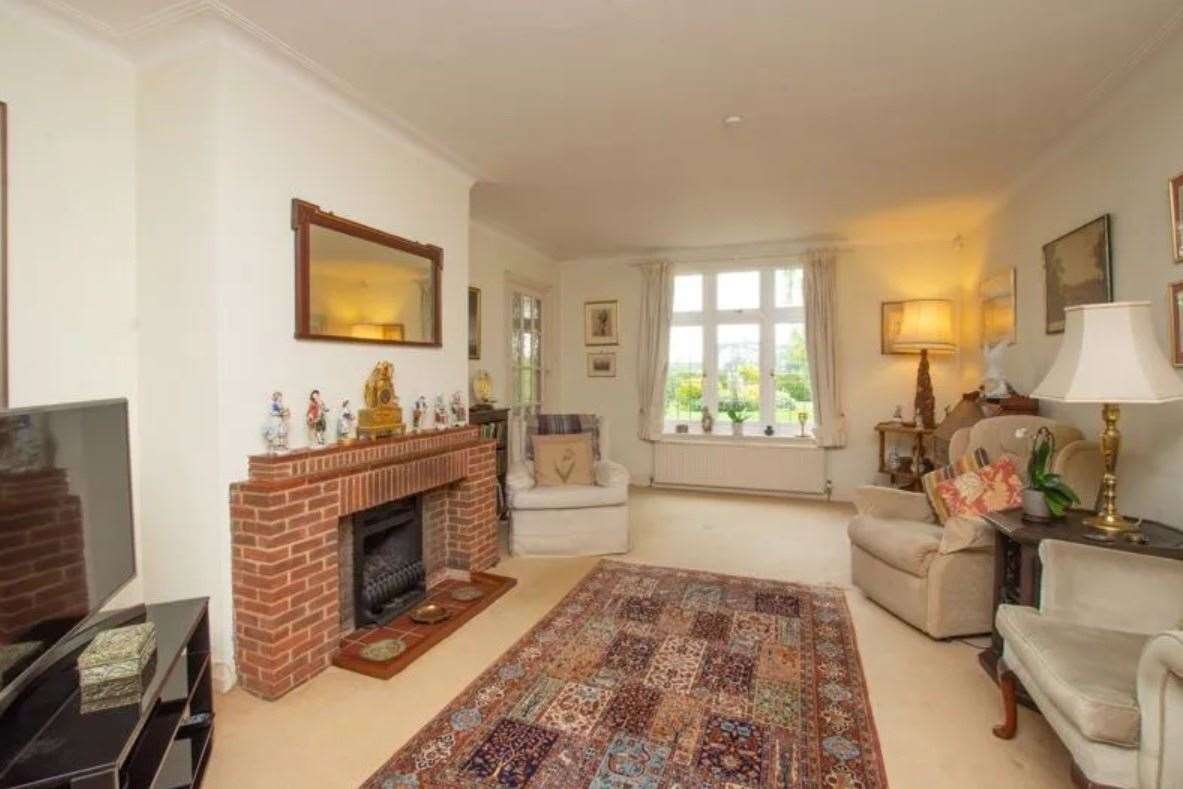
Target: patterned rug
{"points": [[653, 677]]}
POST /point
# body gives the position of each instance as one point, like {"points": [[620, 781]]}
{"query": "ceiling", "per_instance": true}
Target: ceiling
{"points": [[595, 126]]}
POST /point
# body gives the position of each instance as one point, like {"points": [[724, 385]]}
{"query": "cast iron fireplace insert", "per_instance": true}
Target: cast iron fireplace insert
{"points": [[388, 572]]}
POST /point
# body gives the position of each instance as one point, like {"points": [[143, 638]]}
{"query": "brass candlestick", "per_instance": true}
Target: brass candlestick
{"points": [[1108, 519]]}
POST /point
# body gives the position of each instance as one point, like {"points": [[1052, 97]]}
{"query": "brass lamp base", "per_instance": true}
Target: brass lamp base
{"points": [[1108, 521], [1115, 524]]}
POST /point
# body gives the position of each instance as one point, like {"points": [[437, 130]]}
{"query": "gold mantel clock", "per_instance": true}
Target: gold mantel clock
{"points": [[382, 415]]}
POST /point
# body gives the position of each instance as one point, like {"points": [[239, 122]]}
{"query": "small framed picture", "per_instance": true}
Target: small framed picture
{"points": [[891, 313], [1175, 291], [997, 303], [474, 323], [601, 365], [600, 323], [1176, 188]]}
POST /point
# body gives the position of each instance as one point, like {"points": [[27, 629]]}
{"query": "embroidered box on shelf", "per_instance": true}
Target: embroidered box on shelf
{"points": [[113, 669]]}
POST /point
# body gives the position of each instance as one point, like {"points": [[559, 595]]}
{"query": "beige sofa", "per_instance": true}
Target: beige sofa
{"points": [[940, 579], [1102, 658]]}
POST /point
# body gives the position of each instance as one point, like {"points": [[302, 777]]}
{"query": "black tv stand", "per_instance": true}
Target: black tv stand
{"points": [[165, 741]]}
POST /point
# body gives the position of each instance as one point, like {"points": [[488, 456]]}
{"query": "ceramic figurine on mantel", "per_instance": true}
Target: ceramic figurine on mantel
{"points": [[317, 418], [419, 413], [345, 423], [275, 431], [459, 412], [441, 413]]}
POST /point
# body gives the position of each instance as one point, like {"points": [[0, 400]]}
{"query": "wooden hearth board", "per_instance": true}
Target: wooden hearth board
{"points": [[419, 638]]}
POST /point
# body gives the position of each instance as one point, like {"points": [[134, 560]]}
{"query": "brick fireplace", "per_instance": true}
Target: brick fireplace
{"points": [[286, 525]]}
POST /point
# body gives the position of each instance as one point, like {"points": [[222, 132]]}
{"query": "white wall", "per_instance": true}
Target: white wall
{"points": [[1118, 161], [497, 262], [71, 218], [230, 136], [873, 384]]}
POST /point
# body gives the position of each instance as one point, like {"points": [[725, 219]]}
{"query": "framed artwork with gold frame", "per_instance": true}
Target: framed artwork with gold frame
{"points": [[890, 315], [1175, 299], [1175, 186], [997, 301], [3, 255], [601, 323], [474, 323], [601, 365]]}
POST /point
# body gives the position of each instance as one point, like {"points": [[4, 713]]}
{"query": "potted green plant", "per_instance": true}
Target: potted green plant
{"points": [[738, 412], [1047, 497]]}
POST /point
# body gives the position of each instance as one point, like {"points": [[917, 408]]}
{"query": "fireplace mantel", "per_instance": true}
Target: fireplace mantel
{"points": [[284, 523]]}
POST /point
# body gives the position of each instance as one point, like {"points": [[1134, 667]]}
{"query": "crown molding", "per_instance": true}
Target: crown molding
{"points": [[513, 236], [129, 36]]}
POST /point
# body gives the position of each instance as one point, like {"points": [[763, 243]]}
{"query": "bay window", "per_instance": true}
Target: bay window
{"points": [[737, 347]]}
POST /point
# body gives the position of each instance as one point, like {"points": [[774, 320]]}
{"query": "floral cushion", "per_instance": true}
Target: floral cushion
{"points": [[988, 489], [971, 461]]}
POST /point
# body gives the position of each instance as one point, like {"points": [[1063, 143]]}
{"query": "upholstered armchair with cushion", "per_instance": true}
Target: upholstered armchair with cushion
{"points": [[569, 520], [939, 578], [1102, 658]]}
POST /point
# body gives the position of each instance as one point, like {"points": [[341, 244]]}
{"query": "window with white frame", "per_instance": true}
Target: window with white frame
{"points": [[526, 370], [737, 347]]}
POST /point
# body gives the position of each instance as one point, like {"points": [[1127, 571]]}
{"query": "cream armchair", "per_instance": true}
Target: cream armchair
{"points": [[940, 578], [1102, 658], [569, 520]]}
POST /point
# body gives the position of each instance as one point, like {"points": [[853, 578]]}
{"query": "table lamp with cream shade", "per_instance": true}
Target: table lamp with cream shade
{"points": [[926, 325], [1109, 356]]}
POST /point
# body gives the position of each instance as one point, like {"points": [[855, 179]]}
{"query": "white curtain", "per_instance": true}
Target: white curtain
{"points": [[657, 311], [821, 340]]}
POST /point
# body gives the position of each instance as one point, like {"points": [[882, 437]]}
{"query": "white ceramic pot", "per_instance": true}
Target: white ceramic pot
{"points": [[1035, 505], [737, 428]]}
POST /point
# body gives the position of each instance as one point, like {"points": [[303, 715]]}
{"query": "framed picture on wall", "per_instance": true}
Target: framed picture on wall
{"points": [[474, 323], [891, 313], [601, 365], [1077, 269], [1175, 299], [601, 324], [1176, 188], [997, 301]]}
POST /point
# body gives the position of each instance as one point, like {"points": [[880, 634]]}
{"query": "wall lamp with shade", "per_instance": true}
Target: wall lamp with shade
{"points": [[1109, 356], [926, 325]]}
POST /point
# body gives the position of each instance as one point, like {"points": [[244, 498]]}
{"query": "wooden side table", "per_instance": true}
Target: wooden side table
{"points": [[1017, 569], [905, 480]]}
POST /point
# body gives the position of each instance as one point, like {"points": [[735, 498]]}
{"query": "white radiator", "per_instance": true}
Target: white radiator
{"points": [[741, 465]]}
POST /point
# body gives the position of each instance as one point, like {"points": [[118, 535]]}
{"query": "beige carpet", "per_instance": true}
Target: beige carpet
{"points": [[933, 706]]}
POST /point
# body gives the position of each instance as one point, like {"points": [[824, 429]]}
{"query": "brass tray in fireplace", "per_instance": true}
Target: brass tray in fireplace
{"points": [[430, 614]]}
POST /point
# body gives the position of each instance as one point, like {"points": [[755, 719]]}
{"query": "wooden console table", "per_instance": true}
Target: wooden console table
{"points": [[905, 480], [1017, 569]]}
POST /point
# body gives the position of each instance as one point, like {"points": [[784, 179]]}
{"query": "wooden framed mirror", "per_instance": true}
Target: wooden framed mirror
{"points": [[355, 283]]}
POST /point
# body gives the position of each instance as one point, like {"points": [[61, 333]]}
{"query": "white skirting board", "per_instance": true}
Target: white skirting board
{"points": [[741, 465]]}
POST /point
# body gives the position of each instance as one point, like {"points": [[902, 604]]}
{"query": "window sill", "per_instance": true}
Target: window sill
{"points": [[807, 442]]}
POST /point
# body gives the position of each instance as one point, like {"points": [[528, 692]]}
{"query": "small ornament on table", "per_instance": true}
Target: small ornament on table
{"points": [[345, 423], [317, 418], [898, 415], [769, 430], [441, 413], [802, 418], [419, 413], [275, 431], [708, 421], [459, 412]]}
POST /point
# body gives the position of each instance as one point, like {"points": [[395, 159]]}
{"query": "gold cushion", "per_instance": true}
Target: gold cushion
{"points": [[563, 460]]}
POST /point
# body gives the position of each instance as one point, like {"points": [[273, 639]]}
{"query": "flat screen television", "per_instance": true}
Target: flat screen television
{"points": [[66, 534]]}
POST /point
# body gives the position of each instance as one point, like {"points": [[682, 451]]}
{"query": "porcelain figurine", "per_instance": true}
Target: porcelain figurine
{"points": [[345, 423], [317, 418], [995, 384], [441, 413], [708, 421], [419, 413], [275, 431], [459, 411]]}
